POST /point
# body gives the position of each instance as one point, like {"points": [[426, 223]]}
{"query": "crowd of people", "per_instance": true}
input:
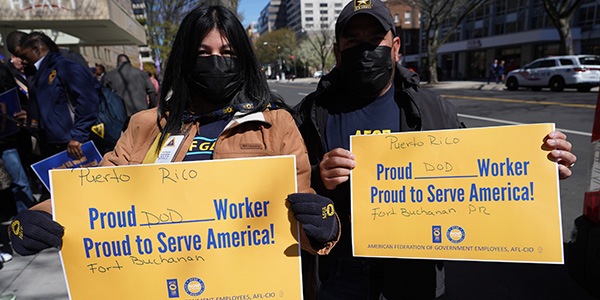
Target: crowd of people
{"points": [[224, 98], [58, 97]]}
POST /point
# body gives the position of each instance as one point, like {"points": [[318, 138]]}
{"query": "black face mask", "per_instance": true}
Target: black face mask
{"points": [[216, 79], [366, 69]]}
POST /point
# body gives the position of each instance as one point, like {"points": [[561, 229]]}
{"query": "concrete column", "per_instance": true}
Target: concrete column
{"points": [[462, 65]]}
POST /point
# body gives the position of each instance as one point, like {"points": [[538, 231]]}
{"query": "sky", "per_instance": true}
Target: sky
{"points": [[251, 10]]}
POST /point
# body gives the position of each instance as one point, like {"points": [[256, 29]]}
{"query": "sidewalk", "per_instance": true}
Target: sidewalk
{"points": [[442, 85], [34, 277]]}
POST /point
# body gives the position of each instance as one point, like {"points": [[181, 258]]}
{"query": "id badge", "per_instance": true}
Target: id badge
{"points": [[168, 151]]}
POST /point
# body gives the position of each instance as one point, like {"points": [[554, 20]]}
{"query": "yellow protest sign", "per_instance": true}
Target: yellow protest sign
{"points": [[488, 194], [215, 229]]}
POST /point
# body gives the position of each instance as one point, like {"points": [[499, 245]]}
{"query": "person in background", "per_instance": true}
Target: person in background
{"points": [[501, 71], [212, 91], [99, 72], [154, 82], [26, 136], [132, 85], [493, 72], [21, 189], [369, 90], [65, 96], [511, 66]]}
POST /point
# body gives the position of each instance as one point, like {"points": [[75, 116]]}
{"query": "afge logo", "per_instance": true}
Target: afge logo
{"points": [[194, 286], [455, 234], [436, 234], [173, 288]]}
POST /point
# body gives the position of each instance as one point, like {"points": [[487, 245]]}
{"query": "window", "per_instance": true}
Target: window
{"points": [[565, 62], [590, 60], [323, 5], [324, 19], [586, 16], [324, 12], [396, 18], [338, 5], [407, 19], [324, 26], [308, 12], [534, 65], [308, 19], [308, 5], [547, 63]]}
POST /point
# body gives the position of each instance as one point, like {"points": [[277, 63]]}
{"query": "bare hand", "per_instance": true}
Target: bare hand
{"points": [[74, 149], [21, 116], [335, 167], [560, 152]]}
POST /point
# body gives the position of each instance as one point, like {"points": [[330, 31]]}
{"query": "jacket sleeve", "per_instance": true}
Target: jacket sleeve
{"points": [[135, 142], [83, 96], [150, 91], [294, 144]]}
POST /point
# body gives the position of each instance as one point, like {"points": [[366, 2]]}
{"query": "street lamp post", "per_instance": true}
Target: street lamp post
{"points": [[280, 60]]}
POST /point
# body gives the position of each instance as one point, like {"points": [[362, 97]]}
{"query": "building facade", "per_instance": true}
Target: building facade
{"points": [[300, 15], [272, 17], [406, 17], [513, 30], [312, 15], [99, 30]]}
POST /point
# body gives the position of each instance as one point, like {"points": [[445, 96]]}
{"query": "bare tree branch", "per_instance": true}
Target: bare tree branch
{"points": [[560, 14]]}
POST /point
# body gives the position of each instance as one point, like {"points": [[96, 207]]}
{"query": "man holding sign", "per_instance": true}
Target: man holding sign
{"points": [[219, 107], [369, 92]]}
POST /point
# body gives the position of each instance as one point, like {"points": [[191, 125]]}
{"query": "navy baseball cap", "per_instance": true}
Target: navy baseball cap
{"points": [[375, 8]]}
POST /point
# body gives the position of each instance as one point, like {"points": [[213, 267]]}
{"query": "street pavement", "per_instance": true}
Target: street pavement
{"points": [[41, 277]]}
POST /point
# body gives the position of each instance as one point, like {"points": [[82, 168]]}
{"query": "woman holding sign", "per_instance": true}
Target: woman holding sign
{"points": [[215, 103]]}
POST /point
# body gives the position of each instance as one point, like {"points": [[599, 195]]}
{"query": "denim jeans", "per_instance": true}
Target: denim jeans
{"points": [[20, 186]]}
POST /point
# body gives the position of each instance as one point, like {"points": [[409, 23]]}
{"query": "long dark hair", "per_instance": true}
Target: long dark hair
{"points": [[175, 96]]}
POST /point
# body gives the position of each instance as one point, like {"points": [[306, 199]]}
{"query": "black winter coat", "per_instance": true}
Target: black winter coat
{"points": [[420, 109]]}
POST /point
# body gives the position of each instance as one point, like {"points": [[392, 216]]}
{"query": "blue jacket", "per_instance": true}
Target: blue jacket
{"points": [[66, 99]]}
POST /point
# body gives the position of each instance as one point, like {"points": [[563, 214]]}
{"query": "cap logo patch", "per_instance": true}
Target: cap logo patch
{"points": [[362, 4]]}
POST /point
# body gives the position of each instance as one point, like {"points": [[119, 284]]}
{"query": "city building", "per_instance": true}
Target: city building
{"points": [[406, 17], [517, 30], [311, 15], [300, 15], [99, 30], [272, 17]]}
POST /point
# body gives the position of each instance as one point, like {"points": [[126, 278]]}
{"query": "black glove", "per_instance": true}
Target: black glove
{"points": [[316, 214], [33, 231]]}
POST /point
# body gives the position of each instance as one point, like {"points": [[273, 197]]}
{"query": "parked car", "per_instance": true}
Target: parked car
{"points": [[318, 74], [557, 72]]}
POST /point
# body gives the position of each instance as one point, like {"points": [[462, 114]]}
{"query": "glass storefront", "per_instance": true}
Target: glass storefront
{"points": [[477, 65]]}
